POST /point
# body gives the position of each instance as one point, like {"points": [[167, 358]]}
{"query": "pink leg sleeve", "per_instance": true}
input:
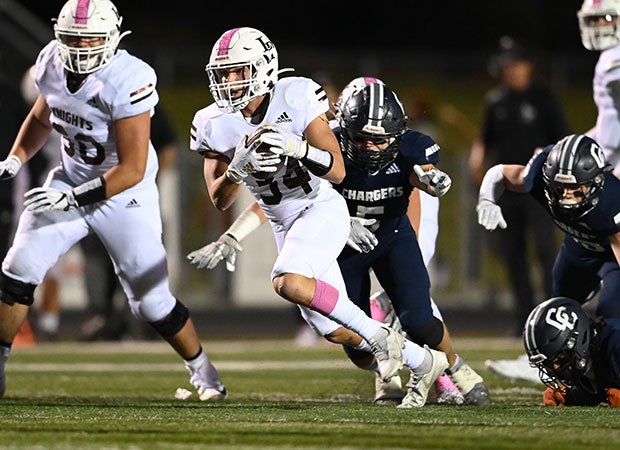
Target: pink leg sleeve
{"points": [[325, 298]]}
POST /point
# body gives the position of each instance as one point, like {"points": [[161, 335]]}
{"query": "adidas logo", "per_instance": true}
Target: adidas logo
{"points": [[132, 204], [283, 118], [92, 102], [392, 169]]}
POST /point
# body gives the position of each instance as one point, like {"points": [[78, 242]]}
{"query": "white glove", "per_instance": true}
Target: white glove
{"points": [[284, 142], [41, 199], [490, 215], [361, 238], [9, 167], [226, 247], [246, 160], [438, 181]]}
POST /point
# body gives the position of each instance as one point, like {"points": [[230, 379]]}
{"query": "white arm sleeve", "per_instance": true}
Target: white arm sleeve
{"points": [[244, 225], [492, 186]]}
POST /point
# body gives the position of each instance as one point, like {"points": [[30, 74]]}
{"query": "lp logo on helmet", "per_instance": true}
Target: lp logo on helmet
{"points": [[559, 318]]}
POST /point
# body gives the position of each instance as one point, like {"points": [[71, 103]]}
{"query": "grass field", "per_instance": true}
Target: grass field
{"points": [[121, 396]]}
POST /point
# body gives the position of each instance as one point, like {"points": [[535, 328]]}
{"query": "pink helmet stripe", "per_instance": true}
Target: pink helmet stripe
{"points": [[81, 12], [225, 42], [370, 80]]}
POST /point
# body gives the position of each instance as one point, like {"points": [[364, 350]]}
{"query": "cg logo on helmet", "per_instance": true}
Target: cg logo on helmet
{"points": [[560, 319]]}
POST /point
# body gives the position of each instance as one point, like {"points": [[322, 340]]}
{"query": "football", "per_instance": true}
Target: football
{"points": [[263, 148]]}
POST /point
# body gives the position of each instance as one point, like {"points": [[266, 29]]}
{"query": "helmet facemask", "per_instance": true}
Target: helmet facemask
{"points": [[576, 163], [557, 338], [374, 114], [87, 20], [566, 368], [247, 49], [598, 24]]}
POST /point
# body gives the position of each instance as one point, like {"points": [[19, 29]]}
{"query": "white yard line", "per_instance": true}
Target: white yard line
{"points": [[243, 366]]}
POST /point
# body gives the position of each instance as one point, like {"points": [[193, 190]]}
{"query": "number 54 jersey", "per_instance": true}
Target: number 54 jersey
{"points": [[123, 88], [293, 103]]}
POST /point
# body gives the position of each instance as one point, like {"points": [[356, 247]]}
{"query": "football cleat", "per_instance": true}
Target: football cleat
{"points": [[388, 392], [470, 384], [419, 384], [203, 376], [381, 310], [387, 346]]}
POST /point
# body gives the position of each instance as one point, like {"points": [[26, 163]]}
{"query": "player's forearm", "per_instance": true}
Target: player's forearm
{"points": [[223, 192], [246, 223], [30, 139]]}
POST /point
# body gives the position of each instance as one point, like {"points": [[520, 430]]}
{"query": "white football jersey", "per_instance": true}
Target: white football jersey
{"points": [[294, 102], [607, 129], [84, 118]]}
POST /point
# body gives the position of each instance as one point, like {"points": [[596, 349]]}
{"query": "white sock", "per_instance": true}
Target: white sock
{"points": [[351, 316], [197, 362], [363, 346], [413, 354]]}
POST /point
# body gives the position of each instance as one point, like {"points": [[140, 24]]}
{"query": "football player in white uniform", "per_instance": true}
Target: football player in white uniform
{"points": [[105, 184], [290, 182], [599, 28]]}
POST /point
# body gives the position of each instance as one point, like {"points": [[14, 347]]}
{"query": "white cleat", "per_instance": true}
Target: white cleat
{"points": [[388, 392], [514, 369], [419, 384], [387, 346], [206, 381], [471, 385], [211, 394]]}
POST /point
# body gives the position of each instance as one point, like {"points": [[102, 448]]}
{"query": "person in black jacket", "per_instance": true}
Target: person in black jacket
{"points": [[520, 115]]}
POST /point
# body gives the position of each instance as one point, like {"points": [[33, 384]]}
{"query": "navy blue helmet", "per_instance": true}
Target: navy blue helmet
{"points": [[575, 161], [372, 113]]}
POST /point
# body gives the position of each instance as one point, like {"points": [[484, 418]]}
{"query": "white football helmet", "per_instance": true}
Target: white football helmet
{"points": [[353, 86], [87, 19], [248, 48], [595, 35]]}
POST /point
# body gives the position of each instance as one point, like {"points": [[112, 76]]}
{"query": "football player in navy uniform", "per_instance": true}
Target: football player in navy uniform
{"points": [[385, 160], [574, 182], [578, 358]]}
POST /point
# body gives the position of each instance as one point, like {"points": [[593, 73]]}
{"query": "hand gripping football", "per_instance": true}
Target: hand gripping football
{"points": [[263, 147]]}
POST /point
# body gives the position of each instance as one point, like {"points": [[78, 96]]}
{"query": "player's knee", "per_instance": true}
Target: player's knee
{"points": [[289, 286], [173, 322], [430, 334], [14, 291]]}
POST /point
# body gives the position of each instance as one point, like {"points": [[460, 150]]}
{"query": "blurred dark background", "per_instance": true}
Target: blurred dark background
{"points": [[451, 35]]}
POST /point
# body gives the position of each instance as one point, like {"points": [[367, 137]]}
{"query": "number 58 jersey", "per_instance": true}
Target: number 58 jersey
{"points": [[293, 103], [85, 117]]}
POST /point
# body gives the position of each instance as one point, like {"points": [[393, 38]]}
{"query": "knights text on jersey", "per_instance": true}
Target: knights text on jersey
{"points": [[84, 118], [591, 231], [293, 103], [385, 193]]}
